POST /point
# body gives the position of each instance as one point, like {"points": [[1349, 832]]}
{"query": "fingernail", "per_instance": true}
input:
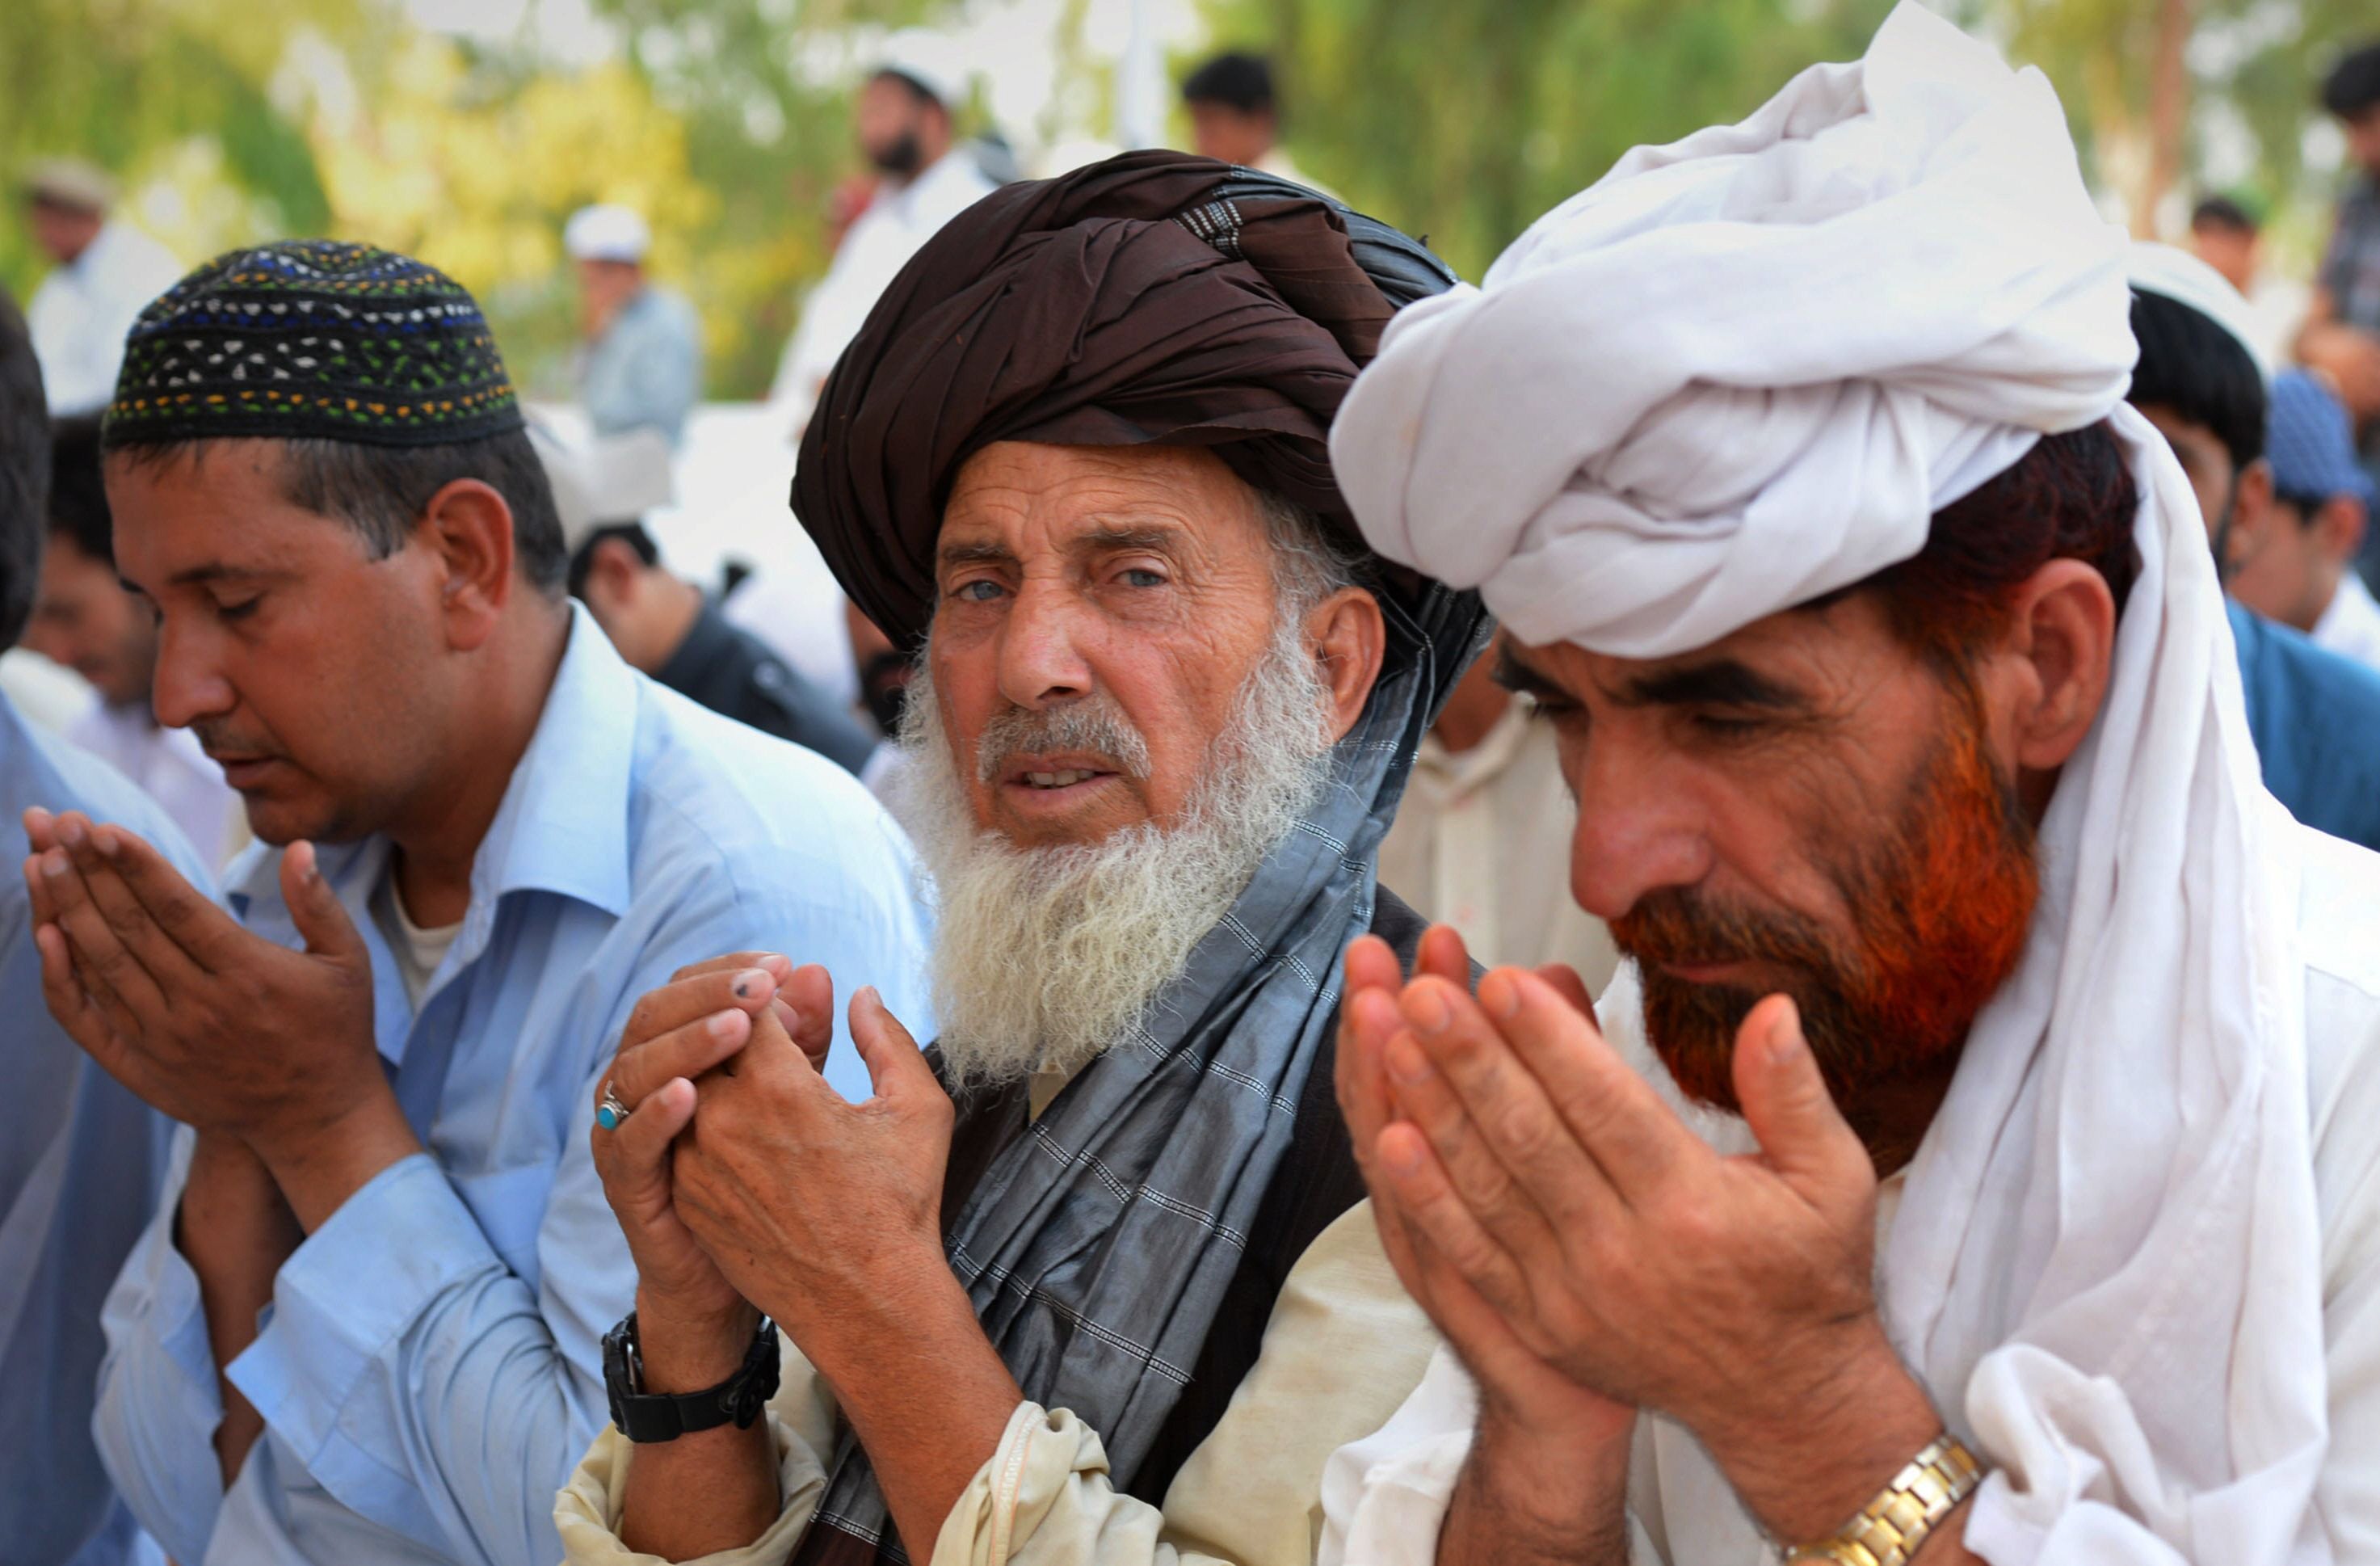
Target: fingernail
{"points": [[783, 967], [868, 995], [106, 842], [54, 864], [1427, 1009], [1406, 1062], [724, 1024], [1401, 1154], [749, 982], [1784, 1036], [1501, 996], [70, 832]]}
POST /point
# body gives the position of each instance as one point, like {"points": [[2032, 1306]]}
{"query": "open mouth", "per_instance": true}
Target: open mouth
{"points": [[1056, 779]]}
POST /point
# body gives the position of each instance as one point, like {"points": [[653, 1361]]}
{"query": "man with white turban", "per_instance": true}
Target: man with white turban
{"points": [[1976, 1157]]}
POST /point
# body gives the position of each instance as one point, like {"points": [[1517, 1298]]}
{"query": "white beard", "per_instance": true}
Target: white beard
{"points": [[1045, 958]]}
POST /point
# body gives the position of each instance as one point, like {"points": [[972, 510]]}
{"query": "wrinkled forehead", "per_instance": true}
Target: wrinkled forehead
{"points": [[1022, 500]]}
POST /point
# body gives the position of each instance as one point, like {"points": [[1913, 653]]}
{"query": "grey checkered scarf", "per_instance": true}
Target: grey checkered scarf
{"points": [[1098, 1246]]}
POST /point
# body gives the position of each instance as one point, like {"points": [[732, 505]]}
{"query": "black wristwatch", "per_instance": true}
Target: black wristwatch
{"points": [[644, 1417]]}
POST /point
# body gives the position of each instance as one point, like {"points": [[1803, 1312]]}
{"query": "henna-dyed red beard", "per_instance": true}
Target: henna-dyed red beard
{"points": [[1940, 908]]}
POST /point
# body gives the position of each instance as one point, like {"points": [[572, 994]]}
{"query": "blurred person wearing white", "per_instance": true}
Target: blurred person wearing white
{"points": [[925, 179], [106, 271], [1479, 839], [2038, 1214], [85, 619], [640, 364]]}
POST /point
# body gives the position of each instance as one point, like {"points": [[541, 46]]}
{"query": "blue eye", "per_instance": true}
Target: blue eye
{"points": [[1138, 577], [967, 590]]}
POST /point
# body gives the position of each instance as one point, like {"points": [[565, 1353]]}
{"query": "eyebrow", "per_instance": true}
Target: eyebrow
{"points": [[199, 576], [1102, 539], [1524, 679], [1723, 682]]}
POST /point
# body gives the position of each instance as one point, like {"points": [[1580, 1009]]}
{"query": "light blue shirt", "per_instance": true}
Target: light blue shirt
{"points": [[78, 1171], [646, 370], [429, 1369]]}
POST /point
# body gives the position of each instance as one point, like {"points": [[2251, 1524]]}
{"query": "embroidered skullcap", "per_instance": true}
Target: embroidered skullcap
{"points": [[310, 339], [1151, 299]]}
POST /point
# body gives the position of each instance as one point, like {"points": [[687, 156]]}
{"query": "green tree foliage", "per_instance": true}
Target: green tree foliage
{"points": [[1467, 121]]}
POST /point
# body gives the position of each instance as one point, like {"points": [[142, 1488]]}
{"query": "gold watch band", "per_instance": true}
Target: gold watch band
{"points": [[1889, 1529]]}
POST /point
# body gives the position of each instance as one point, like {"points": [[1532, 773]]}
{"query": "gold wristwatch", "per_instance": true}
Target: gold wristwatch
{"points": [[1890, 1528]]}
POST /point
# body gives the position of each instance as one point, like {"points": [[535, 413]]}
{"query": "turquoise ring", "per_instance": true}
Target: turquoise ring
{"points": [[610, 1112]]}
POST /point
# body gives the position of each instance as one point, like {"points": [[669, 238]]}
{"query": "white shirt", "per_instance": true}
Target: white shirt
{"points": [[170, 768], [1481, 841], [1385, 1496], [81, 311], [879, 245], [2351, 626]]}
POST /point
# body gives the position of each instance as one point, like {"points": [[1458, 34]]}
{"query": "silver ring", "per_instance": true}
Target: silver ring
{"points": [[609, 1112]]}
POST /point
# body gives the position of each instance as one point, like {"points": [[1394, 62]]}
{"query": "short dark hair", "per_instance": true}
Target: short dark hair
{"points": [[382, 490], [24, 472], [1236, 79], [2222, 212], [2353, 84], [77, 490], [633, 534], [2072, 497], [2196, 368]]}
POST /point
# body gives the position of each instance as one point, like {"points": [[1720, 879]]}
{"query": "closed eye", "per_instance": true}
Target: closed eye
{"points": [[239, 611]]}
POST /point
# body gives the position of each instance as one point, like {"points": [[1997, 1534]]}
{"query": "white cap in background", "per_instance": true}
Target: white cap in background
{"points": [[2155, 268], [606, 233]]}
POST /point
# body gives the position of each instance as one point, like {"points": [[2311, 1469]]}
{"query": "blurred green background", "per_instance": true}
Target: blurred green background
{"points": [[464, 132]]}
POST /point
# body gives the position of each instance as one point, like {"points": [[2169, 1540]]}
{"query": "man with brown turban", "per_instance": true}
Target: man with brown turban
{"points": [[1088, 1280]]}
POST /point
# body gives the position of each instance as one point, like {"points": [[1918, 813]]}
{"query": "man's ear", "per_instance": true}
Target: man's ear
{"points": [[2339, 527], [2056, 662], [2252, 514], [1349, 636], [470, 526]]}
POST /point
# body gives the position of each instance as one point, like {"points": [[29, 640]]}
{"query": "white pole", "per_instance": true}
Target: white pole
{"points": [[1140, 84]]}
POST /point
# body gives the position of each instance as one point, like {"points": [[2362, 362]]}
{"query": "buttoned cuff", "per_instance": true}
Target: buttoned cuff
{"points": [[354, 1287]]}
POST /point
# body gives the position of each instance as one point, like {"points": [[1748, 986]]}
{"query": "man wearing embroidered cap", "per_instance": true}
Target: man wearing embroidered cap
{"points": [[481, 837], [1095, 1288], [1974, 1160]]}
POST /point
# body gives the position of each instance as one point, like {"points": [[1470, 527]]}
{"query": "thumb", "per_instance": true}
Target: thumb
{"points": [[896, 1067], [1803, 1136], [313, 907]]}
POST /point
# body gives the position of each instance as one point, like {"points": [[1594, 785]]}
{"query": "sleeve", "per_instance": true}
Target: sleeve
{"points": [[445, 1399], [801, 1420], [1344, 1347], [158, 1406]]}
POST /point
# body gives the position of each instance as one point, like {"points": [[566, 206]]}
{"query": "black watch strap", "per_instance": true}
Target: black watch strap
{"points": [[644, 1417]]}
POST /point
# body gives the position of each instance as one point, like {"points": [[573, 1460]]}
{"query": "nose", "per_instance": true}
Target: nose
{"points": [[190, 684], [1638, 831], [1041, 661]]}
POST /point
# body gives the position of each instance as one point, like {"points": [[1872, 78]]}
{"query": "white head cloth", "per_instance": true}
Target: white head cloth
{"points": [[606, 233], [1740, 372]]}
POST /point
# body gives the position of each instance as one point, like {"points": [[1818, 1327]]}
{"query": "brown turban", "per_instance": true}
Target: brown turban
{"points": [[1153, 298]]}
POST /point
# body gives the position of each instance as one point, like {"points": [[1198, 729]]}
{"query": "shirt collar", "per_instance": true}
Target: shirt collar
{"points": [[562, 825], [704, 641]]}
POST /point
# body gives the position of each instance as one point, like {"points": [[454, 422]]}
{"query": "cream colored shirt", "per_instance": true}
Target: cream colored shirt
{"points": [[1342, 1349], [1482, 842]]}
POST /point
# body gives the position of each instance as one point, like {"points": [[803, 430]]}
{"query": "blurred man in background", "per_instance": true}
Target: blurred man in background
{"points": [[1481, 837], [80, 1166], [2295, 563], [2342, 330], [2314, 716], [662, 623], [2229, 237], [925, 179], [87, 620], [640, 365], [106, 271], [1236, 117]]}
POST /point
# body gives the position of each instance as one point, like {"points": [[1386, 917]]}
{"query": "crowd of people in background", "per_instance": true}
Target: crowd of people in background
{"points": [[1101, 1157]]}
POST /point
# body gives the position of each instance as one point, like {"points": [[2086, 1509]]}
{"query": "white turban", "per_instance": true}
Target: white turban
{"points": [[1742, 370]]}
